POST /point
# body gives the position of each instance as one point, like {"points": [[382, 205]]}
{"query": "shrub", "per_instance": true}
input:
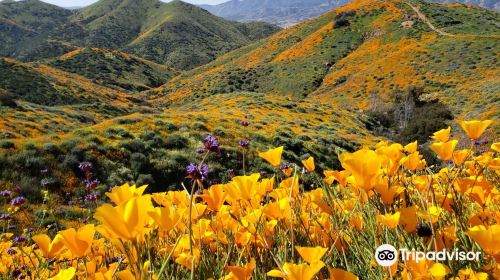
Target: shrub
{"points": [[114, 132], [135, 146], [7, 145], [343, 22], [170, 126], [175, 141], [51, 148], [200, 126]]}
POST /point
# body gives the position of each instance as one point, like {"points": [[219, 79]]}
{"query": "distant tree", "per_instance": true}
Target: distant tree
{"points": [[407, 117]]}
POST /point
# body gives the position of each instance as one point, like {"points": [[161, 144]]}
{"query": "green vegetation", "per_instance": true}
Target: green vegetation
{"points": [[462, 19], [177, 34], [29, 85], [409, 117], [27, 29], [115, 69]]}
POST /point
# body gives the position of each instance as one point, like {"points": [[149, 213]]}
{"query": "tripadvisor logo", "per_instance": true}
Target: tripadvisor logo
{"points": [[387, 255]]}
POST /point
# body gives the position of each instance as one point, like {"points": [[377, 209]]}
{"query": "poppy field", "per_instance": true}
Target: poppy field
{"points": [[265, 226]]}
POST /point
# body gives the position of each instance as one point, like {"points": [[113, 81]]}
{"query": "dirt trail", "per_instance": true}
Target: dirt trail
{"points": [[426, 21]]}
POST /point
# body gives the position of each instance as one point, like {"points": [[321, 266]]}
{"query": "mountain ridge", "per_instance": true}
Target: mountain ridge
{"points": [[165, 33], [281, 12]]}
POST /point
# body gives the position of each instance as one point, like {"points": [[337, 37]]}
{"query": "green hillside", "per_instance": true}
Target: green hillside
{"points": [[177, 34], [39, 100], [27, 28], [114, 69]]}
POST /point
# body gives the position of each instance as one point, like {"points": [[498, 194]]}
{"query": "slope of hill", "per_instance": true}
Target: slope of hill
{"points": [[489, 4], [281, 12], [177, 34], [363, 48], [114, 69], [26, 28], [47, 100]]}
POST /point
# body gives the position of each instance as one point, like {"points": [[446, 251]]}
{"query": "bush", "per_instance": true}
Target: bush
{"points": [[343, 22], [7, 145], [51, 148], [139, 162], [134, 146], [170, 126], [200, 126], [175, 141], [114, 132]]}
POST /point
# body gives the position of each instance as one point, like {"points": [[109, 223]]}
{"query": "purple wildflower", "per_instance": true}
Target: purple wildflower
{"points": [[244, 143], [284, 166], [46, 182], [85, 166], [71, 203], [92, 184], [5, 193], [18, 274], [20, 239], [11, 251], [11, 227], [20, 200], [211, 143], [114, 259], [52, 226], [424, 230], [4, 216], [245, 123], [480, 142], [197, 172], [92, 197]]}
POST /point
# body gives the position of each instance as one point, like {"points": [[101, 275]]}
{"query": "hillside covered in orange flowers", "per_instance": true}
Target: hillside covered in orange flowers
{"points": [[362, 49]]}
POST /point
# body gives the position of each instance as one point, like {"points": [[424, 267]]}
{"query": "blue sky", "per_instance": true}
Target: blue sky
{"points": [[76, 3]]}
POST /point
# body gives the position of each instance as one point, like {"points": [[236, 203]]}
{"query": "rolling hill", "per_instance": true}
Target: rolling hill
{"points": [[45, 100], [114, 69], [489, 4], [177, 34], [27, 29], [363, 48]]}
